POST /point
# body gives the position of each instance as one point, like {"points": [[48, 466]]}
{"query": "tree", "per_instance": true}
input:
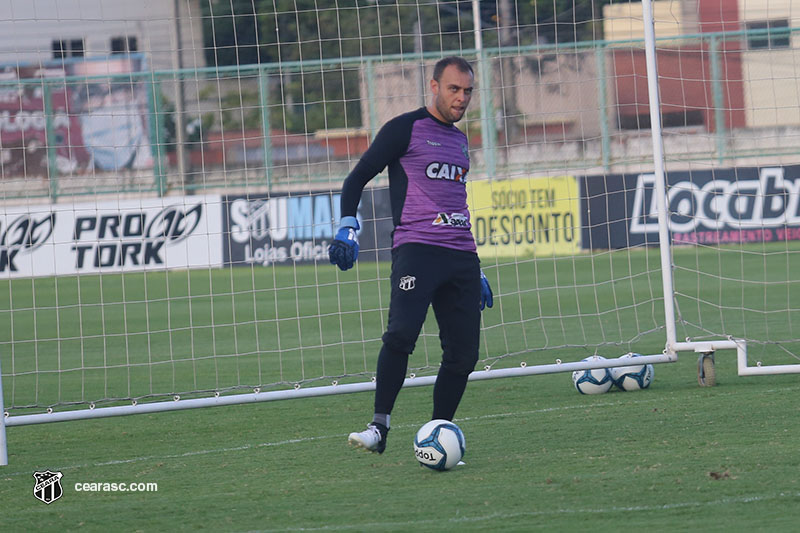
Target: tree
{"points": [[230, 32], [327, 96], [319, 96], [563, 21]]}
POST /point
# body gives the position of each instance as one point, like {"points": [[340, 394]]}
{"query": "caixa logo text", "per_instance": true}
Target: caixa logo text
{"points": [[712, 202], [132, 238], [22, 235]]}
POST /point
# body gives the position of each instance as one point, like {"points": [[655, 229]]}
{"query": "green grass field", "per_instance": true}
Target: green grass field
{"points": [[539, 455]]}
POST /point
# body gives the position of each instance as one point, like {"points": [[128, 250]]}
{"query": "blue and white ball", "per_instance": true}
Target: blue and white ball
{"points": [[633, 377], [592, 381], [439, 445]]}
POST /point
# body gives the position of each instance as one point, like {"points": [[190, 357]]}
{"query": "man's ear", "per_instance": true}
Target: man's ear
{"points": [[434, 86]]}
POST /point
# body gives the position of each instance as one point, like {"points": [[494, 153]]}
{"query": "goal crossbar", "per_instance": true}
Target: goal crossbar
{"points": [[308, 392]]}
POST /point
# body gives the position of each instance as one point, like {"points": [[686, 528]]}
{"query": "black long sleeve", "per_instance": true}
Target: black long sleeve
{"points": [[389, 145], [354, 185]]}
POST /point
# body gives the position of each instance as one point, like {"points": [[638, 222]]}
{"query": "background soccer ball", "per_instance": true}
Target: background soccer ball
{"points": [[634, 377], [594, 381], [439, 444]]}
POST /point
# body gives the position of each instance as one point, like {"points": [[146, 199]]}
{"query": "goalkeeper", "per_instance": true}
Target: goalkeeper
{"points": [[434, 258]]}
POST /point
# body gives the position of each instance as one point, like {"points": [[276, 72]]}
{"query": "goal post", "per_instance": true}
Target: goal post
{"points": [[660, 195], [3, 443], [705, 347], [635, 189]]}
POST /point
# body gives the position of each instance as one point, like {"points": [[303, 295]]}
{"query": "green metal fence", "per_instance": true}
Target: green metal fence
{"points": [[304, 123]]}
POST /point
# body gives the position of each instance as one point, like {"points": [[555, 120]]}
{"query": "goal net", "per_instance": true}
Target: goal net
{"points": [[171, 179]]}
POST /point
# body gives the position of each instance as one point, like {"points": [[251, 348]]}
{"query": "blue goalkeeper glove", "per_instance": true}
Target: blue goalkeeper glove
{"points": [[343, 251], [487, 299]]}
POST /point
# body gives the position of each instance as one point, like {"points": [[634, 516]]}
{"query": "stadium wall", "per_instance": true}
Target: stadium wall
{"points": [[527, 216]]}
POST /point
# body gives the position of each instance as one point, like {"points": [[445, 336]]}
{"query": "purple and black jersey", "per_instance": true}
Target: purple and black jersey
{"points": [[428, 162]]}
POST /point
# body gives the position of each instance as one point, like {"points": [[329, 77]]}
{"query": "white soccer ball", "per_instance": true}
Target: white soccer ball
{"points": [[593, 381], [439, 445], [633, 377]]}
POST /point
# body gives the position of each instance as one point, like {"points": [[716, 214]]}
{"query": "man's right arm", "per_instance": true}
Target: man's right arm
{"points": [[343, 251], [354, 185], [390, 143]]}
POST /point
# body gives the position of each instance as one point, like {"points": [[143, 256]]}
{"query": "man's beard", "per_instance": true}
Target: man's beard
{"points": [[447, 113]]}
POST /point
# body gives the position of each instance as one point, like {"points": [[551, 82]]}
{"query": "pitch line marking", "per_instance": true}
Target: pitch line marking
{"points": [[554, 512], [245, 447]]}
